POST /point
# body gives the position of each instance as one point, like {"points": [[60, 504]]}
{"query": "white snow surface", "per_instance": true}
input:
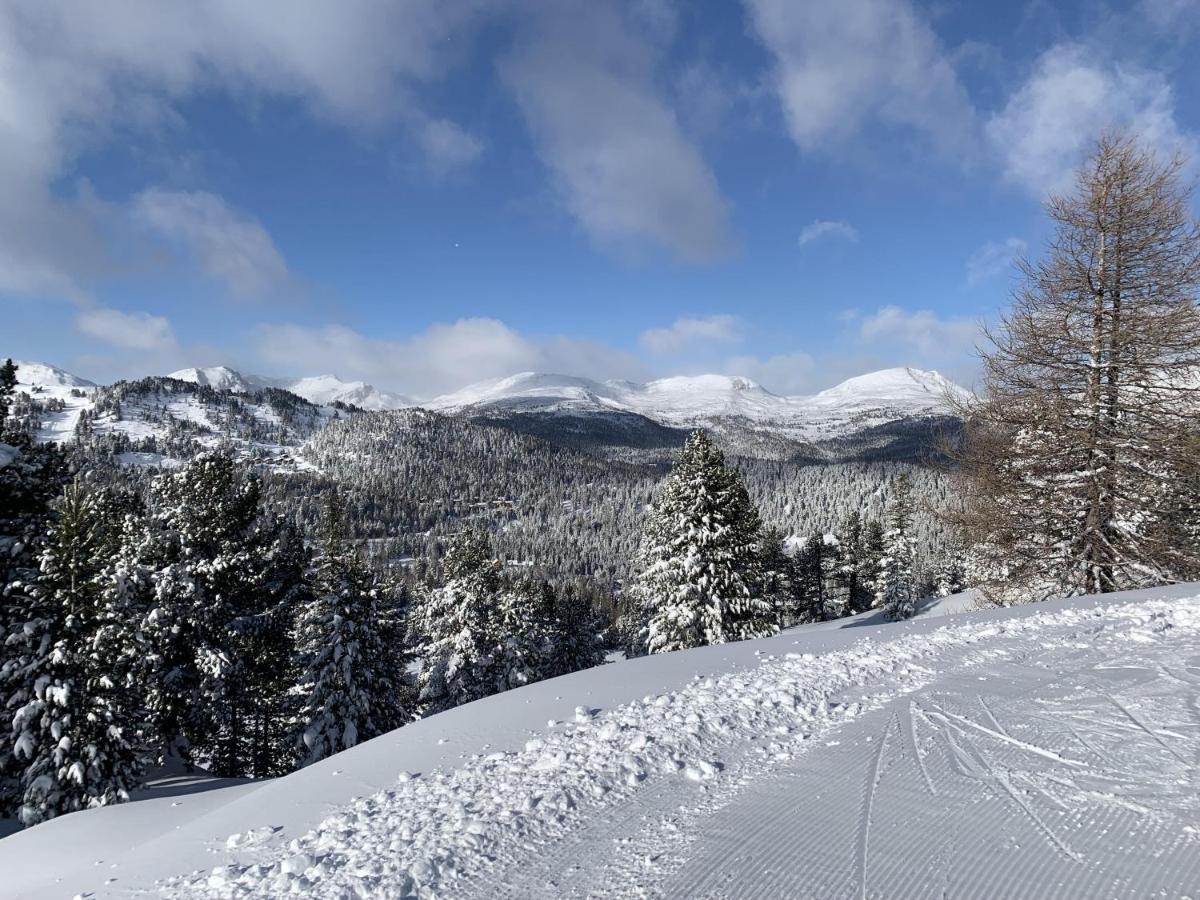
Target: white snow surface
{"points": [[1048, 750], [704, 399]]}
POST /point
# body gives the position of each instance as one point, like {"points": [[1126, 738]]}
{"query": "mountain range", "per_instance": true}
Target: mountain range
{"points": [[892, 413]]}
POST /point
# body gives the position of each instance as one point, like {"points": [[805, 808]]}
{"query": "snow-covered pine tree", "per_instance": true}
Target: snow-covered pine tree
{"points": [[576, 639], [526, 623], [460, 627], [896, 588], [779, 577], [699, 577], [349, 671], [78, 731], [269, 647], [8, 384], [1088, 420], [871, 558], [851, 564], [816, 565], [30, 476], [207, 549]]}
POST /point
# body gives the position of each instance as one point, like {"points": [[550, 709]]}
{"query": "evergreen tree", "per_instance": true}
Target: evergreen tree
{"points": [[871, 560], [527, 632], [852, 563], [779, 577], [699, 577], [897, 585], [576, 641], [816, 564], [29, 479], [8, 386], [77, 731], [460, 628], [207, 552], [350, 670]]}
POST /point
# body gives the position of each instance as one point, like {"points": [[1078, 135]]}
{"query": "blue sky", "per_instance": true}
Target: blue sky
{"points": [[427, 193]]}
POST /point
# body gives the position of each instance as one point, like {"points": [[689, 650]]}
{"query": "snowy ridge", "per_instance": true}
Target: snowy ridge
{"points": [[719, 401], [1025, 747]]}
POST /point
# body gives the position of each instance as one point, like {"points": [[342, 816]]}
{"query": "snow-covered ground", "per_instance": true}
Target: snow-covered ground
{"points": [[1041, 751]]}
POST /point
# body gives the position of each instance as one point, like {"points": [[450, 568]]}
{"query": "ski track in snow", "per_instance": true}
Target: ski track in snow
{"points": [[1073, 777]]}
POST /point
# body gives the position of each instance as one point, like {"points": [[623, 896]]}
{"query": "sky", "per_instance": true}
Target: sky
{"points": [[428, 193]]}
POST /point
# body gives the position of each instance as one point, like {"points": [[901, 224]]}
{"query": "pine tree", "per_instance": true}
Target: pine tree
{"points": [[896, 589], [871, 559], [78, 729], [8, 385], [29, 479], [460, 627], [527, 632], [854, 571], [1086, 426], [349, 670], [699, 576], [206, 549], [779, 577], [576, 641]]}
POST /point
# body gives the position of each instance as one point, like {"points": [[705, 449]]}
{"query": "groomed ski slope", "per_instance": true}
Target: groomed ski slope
{"points": [[1046, 751]]}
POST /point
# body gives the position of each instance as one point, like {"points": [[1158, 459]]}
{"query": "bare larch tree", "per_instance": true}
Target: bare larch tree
{"points": [[1081, 462]]}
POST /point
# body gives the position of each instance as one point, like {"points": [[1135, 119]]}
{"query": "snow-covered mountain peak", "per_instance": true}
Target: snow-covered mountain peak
{"points": [[325, 389], [219, 378], [43, 375], [712, 385], [526, 387], [906, 386]]}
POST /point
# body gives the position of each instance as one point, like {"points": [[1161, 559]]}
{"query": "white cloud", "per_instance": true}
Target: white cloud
{"points": [[686, 333], [225, 244], [443, 358], [921, 332], [826, 229], [72, 76], [1073, 93], [447, 146], [840, 66], [622, 166], [784, 373], [130, 331], [994, 258]]}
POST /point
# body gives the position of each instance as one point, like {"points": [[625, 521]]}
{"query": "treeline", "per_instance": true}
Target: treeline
{"points": [[186, 623]]}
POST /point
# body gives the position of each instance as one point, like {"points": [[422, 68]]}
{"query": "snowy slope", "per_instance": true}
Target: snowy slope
{"points": [[718, 401], [44, 382], [1039, 751]]}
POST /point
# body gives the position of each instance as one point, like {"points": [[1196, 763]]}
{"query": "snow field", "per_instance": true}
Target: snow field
{"points": [[691, 752]]}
